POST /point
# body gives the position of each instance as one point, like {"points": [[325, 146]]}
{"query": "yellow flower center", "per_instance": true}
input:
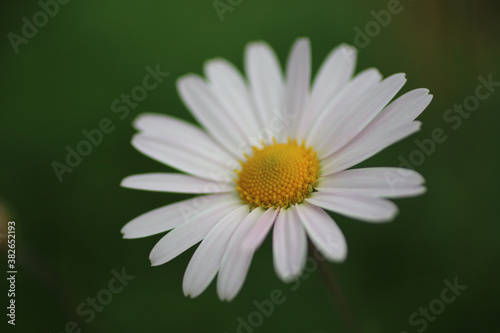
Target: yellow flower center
{"points": [[278, 175]]}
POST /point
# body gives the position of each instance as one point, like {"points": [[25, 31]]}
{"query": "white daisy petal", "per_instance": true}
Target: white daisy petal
{"points": [[174, 182], [205, 262], [391, 125], [365, 146], [383, 182], [192, 231], [289, 245], [332, 76], [233, 94], [168, 217], [222, 124], [365, 208], [298, 77], [264, 142], [354, 120], [236, 260], [323, 232], [266, 81], [172, 131], [186, 157], [257, 235], [340, 104], [402, 111]]}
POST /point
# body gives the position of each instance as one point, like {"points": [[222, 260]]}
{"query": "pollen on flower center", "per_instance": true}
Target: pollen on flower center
{"points": [[278, 175]]}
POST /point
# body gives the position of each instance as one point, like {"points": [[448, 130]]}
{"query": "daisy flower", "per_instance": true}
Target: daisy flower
{"points": [[273, 153]]}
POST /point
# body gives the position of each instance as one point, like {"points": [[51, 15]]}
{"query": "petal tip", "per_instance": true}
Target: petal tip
{"points": [[124, 182]]}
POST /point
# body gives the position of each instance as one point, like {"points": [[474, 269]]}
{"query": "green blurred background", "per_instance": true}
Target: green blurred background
{"points": [[64, 79]]}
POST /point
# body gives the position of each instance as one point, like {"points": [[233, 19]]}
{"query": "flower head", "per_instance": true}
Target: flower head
{"points": [[274, 153]]}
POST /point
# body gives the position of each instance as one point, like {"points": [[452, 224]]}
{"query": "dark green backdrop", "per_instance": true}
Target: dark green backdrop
{"points": [[63, 80]]}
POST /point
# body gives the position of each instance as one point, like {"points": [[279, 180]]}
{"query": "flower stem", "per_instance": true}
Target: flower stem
{"points": [[335, 290]]}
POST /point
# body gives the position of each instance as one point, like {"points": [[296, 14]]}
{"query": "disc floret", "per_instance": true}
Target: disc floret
{"points": [[278, 175]]}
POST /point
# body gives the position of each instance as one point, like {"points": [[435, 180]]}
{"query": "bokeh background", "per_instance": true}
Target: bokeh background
{"points": [[64, 79]]}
